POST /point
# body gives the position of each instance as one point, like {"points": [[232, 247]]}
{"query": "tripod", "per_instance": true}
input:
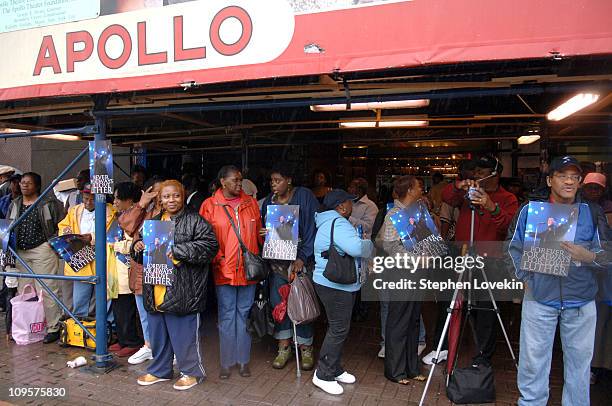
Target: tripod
{"points": [[451, 307]]}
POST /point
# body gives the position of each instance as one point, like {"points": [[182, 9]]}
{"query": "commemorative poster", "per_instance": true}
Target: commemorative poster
{"points": [[547, 226], [158, 238], [282, 222], [6, 257], [101, 167], [418, 232], [114, 233], [72, 249]]}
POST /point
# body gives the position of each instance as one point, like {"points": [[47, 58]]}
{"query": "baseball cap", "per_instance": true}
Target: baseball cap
{"points": [[490, 162], [336, 197], [562, 162], [4, 169], [86, 188], [597, 178]]}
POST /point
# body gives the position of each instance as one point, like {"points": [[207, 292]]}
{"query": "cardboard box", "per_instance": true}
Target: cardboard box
{"points": [[65, 185]]}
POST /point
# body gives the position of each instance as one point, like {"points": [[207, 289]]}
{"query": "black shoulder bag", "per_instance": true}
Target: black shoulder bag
{"points": [[340, 268], [471, 384], [254, 266]]}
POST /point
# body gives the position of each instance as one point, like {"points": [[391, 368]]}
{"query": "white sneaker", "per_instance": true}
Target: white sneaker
{"points": [[381, 353], [331, 387], [421, 348], [428, 359], [142, 355], [345, 377]]}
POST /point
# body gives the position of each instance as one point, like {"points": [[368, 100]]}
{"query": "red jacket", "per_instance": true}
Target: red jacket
{"points": [[488, 229], [228, 266]]}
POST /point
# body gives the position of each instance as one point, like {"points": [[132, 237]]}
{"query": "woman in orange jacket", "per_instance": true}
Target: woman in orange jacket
{"points": [[234, 294]]}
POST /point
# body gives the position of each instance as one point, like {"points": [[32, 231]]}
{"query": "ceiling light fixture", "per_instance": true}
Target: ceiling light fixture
{"points": [[398, 104], [384, 124], [60, 137], [571, 106], [527, 139]]}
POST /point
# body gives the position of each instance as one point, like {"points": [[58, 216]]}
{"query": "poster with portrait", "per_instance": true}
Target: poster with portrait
{"points": [[101, 167], [6, 257], [282, 223], [158, 238], [418, 232], [547, 226], [114, 233], [77, 252]]}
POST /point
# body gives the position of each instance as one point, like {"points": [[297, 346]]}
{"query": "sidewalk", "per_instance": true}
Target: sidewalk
{"points": [[39, 365]]}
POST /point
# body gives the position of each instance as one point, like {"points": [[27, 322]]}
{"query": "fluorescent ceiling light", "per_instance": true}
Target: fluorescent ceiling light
{"points": [[576, 103], [60, 137], [527, 139], [384, 124], [399, 104]]}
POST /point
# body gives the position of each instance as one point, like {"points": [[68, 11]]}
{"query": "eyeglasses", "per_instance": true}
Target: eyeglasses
{"points": [[573, 178]]}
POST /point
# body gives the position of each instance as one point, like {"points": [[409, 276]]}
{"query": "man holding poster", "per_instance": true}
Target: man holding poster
{"points": [[554, 299]]}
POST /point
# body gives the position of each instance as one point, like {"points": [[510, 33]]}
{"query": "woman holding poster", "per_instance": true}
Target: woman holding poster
{"points": [[284, 192], [402, 328], [174, 311], [235, 295]]}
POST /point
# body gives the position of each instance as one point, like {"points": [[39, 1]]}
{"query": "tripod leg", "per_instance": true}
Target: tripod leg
{"points": [[442, 338], [501, 324]]}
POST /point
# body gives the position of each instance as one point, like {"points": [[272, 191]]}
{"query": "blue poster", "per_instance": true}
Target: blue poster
{"points": [[74, 250], [6, 257], [282, 223], [158, 238], [418, 232], [101, 167], [114, 233], [547, 226]]}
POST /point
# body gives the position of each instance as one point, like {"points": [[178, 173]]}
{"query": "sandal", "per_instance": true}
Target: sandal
{"points": [[420, 378], [404, 381]]}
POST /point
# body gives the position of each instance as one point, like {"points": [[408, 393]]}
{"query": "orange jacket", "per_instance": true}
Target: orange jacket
{"points": [[228, 266]]}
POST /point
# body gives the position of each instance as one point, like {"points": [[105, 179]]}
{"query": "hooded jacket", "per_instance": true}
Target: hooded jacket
{"points": [[228, 265], [580, 286], [194, 247], [346, 241]]}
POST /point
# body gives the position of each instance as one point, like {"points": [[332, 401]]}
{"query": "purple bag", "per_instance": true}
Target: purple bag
{"points": [[28, 312], [302, 305]]}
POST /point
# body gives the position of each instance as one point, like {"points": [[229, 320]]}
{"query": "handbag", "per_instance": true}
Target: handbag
{"points": [[471, 384], [260, 322], [303, 304], [340, 268], [28, 314], [255, 267]]}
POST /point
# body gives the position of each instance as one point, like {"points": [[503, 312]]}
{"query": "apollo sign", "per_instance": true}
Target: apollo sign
{"points": [[179, 38]]}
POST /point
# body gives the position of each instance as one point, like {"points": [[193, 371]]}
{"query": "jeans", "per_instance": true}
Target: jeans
{"points": [[143, 314], [175, 335], [284, 330], [538, 325], [81, 295], [338, 307], [234, 304]]}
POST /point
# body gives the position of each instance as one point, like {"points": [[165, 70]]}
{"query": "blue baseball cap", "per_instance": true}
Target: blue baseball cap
{"points": [[562, 162], [336, 197]]}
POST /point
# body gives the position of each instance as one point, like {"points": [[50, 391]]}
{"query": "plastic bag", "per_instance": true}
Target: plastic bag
{"points": [[302, 305], [28, 325]]}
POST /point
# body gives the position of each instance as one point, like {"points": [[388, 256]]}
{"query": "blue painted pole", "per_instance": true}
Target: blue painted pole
{"points": [[102, 356]]}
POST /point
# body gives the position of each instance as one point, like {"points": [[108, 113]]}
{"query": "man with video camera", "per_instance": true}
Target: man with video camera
{"points": [[494, 207]]}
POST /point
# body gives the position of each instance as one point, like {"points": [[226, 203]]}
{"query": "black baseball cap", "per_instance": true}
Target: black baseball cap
{"points": [[336, 197], [489, 162], [562, 162]]}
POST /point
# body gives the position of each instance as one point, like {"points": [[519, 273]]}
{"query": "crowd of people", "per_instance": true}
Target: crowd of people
{"points": [[213, 228]]}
